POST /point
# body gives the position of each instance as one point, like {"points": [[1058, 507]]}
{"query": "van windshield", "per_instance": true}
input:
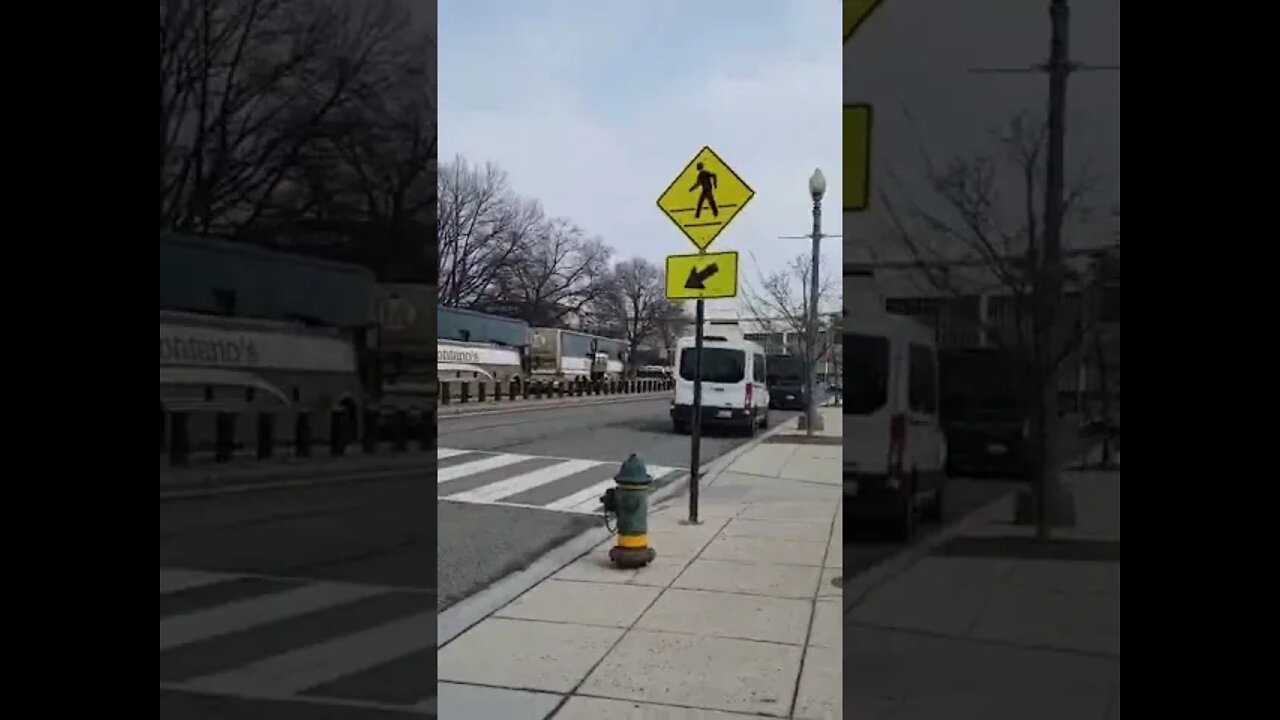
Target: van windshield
{"points": [[866, 374], [719, 365]]}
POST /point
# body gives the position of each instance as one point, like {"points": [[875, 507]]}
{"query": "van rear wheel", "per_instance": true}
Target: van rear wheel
{"points": [[904, 525], [936, 509], [681, 428]]}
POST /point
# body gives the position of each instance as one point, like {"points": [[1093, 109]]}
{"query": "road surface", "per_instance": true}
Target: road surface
{"points": [[321, 602]]}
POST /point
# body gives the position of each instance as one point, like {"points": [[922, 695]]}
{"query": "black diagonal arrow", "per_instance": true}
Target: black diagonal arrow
{"points": [[697, 279]]}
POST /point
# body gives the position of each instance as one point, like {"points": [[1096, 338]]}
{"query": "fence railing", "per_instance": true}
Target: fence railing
{"points": [[468, 391], [293, 433], [303, 433]]}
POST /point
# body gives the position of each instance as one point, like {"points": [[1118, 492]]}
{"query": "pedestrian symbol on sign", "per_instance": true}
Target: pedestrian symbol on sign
{"points": [[707, 181]]}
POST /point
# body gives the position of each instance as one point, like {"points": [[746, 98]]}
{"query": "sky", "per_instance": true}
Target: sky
{"points": [[911, 59], [594, 106]]}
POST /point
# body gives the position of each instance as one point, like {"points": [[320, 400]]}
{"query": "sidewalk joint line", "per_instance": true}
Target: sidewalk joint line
{"points": [[662, 703], [1093, 654], [813, 608]]}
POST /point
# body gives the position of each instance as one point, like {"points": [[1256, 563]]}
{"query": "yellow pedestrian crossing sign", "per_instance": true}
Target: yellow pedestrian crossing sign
{"points": [[704, 276], [704, 198]]}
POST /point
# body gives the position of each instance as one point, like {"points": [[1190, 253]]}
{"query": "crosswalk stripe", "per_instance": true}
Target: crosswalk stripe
{"points": [[479, 466], [527, 481], [296, 671], [444, 453], [245, 614], [587, 496], [588, 499], [174, 580]]}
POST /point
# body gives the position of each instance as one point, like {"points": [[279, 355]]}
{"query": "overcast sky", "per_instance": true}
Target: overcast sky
{"points": [[594, 106], [913, 56]]}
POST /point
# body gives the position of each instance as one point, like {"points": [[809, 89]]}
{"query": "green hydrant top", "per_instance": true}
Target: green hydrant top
{"points": [[633, 472]]}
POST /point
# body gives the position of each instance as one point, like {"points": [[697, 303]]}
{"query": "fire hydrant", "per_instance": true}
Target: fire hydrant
{"points": [[629, 501]]}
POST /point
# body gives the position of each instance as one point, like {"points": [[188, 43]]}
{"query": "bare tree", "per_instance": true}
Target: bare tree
{"points": [[480, 227], [246, 86], [635, 307], [779, 302], [558, 273], [967, 223]]}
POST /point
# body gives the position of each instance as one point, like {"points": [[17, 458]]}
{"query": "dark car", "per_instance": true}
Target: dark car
{"points": [[787, 396], [987, 439], [785, 378]]}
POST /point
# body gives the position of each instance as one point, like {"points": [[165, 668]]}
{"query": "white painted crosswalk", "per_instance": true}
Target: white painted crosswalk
{"points": [[572, 485], [254, 637]]}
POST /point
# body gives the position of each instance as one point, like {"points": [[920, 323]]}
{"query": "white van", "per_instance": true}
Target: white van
{"points": [[894, 449], [734, 388]]}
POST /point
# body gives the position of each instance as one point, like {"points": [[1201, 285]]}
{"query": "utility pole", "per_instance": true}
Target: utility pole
{"points": [[1049, 285], [813, 421], [1049, 266]]}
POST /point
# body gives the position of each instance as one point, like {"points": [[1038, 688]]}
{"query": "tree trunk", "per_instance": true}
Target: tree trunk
{"points": [[1046, 474], [1105, 389]]}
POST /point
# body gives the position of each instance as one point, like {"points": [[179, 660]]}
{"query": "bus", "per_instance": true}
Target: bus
{"points": [[213, 364], [556, 353]]}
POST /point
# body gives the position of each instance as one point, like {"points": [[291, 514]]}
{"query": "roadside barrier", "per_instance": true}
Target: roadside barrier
{"points": [[263, 435], [454, 392]]}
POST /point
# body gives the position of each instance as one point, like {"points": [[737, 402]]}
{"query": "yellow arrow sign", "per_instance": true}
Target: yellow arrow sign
{"points": [[857, 157], [704, 198], [705, 276], [855, 12]]}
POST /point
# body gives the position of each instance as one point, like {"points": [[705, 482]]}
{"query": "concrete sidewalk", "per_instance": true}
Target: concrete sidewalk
{"points": [[737, 617], [992, 625]]}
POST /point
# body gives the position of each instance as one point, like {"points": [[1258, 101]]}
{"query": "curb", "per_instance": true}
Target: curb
{"points": [[470, 611], [196, 493], [857, 590], [551, 405]]}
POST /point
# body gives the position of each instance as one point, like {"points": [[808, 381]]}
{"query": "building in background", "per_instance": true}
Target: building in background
{"points": [[968, 307], [779, 336]]}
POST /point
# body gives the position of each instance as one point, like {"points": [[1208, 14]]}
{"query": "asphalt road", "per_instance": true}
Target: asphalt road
{"points": [[481, 543], [322, 601]]}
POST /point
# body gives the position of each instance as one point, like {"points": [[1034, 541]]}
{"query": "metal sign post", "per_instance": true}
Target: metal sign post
{"points": [[701, 201], [695, 429]]}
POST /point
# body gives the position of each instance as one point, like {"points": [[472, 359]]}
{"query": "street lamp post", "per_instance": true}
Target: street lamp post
{"points": [[817, 188]]}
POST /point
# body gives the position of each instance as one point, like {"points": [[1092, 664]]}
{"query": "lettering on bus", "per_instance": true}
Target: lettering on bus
{"points": [[458, 355], [191, 350]]}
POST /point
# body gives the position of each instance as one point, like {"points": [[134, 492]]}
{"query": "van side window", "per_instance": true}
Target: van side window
{"points": [[922, 380], [866, 373], [757, 368]]}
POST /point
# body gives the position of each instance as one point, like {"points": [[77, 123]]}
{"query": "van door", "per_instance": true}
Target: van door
{"points": [[924, 429], [866, 403], [724, 377], [760, 382]]}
